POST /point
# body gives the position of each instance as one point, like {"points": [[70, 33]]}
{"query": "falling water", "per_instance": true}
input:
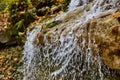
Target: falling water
{"points": [[63, 57], [73, 4]]}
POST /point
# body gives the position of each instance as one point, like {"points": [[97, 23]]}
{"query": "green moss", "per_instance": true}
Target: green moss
{"points": [[50, 25], [21, 15], [20, 18]]}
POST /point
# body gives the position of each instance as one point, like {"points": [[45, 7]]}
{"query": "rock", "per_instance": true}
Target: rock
{"points": [[103, 32], [3, 25], [3, 36], [111, 57], [41, 39], [83, 42], [43, 11], [108, 41]]}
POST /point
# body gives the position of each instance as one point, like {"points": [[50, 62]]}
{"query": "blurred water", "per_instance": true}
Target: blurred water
{"points": [[61, 58]]}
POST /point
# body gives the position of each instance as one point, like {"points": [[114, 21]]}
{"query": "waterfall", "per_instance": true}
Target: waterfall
{"points": [[73, 4], [64, 54]]}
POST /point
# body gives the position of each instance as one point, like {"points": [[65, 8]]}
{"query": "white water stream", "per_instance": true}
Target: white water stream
{"points": [[63, 59]]}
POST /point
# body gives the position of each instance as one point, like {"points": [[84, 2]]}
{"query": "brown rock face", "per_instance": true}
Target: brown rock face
{"points": [[3, 25], [3, 36], [107, 38], [102, 32]]}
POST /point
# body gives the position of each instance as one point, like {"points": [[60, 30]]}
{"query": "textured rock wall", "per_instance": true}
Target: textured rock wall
{"points": [[103, 32]]}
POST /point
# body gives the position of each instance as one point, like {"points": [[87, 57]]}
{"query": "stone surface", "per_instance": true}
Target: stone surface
{"points": [[3, 36], [3, 25], [84, 45], [103, 32]]}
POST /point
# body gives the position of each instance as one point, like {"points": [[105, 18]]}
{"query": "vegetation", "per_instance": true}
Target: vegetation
{"points": [[11, 63], [24, 12], [50, 25], [19, 19], [20, 14]]}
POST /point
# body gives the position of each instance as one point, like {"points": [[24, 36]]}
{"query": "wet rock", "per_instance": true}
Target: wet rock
{"points": [[41, 39], [108, 41], [3, 36], [103, 34], [79, 45], [3, 25]]}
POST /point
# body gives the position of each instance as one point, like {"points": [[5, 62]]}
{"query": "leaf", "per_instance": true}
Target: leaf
{"points": [[9, 2], [19, 24], [108, 20], [29, 1], [20, 33], [30, 6], [60, 1], [116, 15]]}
